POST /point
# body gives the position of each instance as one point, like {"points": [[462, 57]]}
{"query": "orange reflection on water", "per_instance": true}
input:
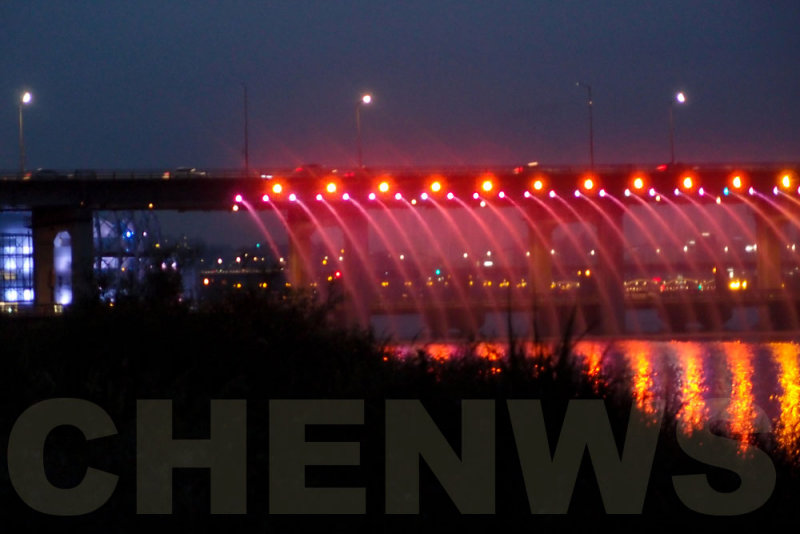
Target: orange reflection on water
{"points": [[741, 408], [693, 411], [592, 353], [440, 352], [640, 357], [787, 431], [490, 351]]}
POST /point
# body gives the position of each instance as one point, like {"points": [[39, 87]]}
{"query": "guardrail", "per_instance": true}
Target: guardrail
{"points": [[315, 171]]}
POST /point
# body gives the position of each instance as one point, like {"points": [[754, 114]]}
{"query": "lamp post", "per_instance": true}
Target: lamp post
{"points": [[680, 98], [24, 100], [591, 126], [364, 100]]}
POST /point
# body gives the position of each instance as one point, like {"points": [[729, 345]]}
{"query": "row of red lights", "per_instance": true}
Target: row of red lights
{"points": [[552, 194], [589, 185]]}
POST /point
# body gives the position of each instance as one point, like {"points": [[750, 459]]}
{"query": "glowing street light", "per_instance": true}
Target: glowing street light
{"points": [[365, 99], [25, 99], [680, 98]]}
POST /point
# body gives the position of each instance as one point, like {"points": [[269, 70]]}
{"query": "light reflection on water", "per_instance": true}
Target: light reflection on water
{"points": [[753, 379]]}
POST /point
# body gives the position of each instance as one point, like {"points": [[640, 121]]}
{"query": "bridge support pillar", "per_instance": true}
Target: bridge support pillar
{"points": [[301, 228], [359, 282], [540, 274], [768, 253], [776, 312], [610, 270], [46, 224]]}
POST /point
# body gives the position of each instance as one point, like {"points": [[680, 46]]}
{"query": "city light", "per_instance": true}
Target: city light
{"points": [[383, 187], [372, 196], [436, 186], [238, 198], [588, 184], [487, 185], [687, 182], [277, 189], [331, 187], [638, 183], [265, 198], [538, 185]]}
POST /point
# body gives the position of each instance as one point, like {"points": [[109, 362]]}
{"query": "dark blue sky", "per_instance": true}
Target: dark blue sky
{"points": [[159, 84]]}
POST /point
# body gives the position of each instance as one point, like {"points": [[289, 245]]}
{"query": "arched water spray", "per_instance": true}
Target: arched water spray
{"points": [[363, 256], [400, 265], [534, 226], [262, 227], [670, 233], [602, 288], [619, 232], [570, 235], [349, 283], [764, 218], [718, 257], [471, 251], [414, 258], [460, 290]]}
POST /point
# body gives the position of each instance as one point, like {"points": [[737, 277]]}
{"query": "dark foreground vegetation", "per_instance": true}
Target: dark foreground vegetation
{"points": [[262, 349]]}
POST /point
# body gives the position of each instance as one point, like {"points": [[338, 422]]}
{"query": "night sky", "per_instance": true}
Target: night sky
{"points": [[154, 84]]}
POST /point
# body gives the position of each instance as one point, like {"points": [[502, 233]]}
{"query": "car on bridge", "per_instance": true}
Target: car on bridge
{"points": [[185, 172], [44, 174]]}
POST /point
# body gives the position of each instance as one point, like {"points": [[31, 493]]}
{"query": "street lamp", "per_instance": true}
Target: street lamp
{"points": [[680, 98], [591, 127], [25, 99], [364, 100]]}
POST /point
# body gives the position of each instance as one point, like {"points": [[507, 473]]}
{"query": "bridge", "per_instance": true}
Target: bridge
{"points": [[306, 197]]}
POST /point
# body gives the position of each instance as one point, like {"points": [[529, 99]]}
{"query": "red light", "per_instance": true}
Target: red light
{"points": [[337, 274]]}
